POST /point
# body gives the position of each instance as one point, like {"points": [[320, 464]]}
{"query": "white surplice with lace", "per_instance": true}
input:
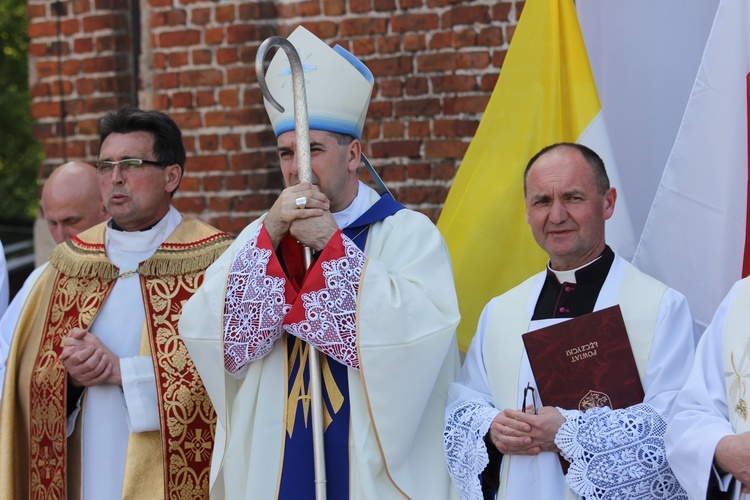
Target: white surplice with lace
{"points": [[606, 447]]}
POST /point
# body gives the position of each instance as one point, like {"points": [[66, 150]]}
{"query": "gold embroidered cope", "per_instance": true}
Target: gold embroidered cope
{"points": [[82, 277]]}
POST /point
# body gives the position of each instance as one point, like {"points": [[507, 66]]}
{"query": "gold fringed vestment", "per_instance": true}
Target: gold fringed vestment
{"points": [[69, 294]]}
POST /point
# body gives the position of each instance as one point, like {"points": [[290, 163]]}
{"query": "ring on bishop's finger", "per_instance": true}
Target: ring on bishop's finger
{"points": [[301, 202]]}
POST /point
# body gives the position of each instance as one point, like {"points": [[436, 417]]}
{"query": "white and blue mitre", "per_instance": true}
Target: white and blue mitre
{"points": [[337, 84]]}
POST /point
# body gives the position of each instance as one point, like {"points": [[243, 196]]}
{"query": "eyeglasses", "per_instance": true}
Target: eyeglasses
{"points": [[529, 389], [126, 165]]}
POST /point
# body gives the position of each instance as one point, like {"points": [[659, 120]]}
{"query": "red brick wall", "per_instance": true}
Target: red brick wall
{"points": [[435, 64]]}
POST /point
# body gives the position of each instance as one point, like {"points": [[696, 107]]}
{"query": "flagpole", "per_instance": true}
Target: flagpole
{"points": [[302, 134]]}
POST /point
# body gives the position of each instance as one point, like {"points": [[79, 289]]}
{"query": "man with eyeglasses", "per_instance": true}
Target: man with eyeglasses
{"points": [[101, 399], [499, 439]]}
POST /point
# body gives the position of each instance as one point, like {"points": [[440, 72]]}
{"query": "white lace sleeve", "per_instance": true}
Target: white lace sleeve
{"points": [[465, 451], [330, 322], [254, 308], [617, 454]]}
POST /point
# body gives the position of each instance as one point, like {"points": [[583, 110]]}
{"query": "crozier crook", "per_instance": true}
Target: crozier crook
{"points": [[302, 135]]}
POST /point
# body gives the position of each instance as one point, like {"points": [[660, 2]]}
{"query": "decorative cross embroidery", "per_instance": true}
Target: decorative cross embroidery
{"points": [[306, 68], [741, 407]]}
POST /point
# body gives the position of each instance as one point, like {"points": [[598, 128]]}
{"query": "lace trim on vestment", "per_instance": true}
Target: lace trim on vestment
{"points": [[254, 308], [465, 450], [617, 454], [330, 322]]}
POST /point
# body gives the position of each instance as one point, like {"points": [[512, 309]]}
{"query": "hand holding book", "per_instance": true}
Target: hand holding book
{"points": [[585, 362]]}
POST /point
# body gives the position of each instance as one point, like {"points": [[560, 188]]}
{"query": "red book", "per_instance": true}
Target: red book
{"points": [[585, 362]]}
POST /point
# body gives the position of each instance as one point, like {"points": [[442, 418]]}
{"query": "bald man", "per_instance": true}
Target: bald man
{"points": [[71, 203]]}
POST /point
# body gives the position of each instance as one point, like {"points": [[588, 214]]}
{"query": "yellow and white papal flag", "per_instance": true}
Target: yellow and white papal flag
{"points": [[545, 94]]}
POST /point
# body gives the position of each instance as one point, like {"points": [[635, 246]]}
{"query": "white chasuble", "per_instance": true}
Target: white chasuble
{"points": [[396, 336], [710, 405]]}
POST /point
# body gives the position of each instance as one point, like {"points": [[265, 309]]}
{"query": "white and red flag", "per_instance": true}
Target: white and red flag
{"points": [[695, 237]]}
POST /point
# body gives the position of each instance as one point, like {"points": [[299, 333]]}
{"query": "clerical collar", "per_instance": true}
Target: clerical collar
{"points": [[117, 227], [587, 272], [357, 207]]}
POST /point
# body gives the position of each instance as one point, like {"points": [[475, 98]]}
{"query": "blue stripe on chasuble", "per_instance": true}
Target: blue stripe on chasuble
{"points": [[298, 474], [298, 469]]}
